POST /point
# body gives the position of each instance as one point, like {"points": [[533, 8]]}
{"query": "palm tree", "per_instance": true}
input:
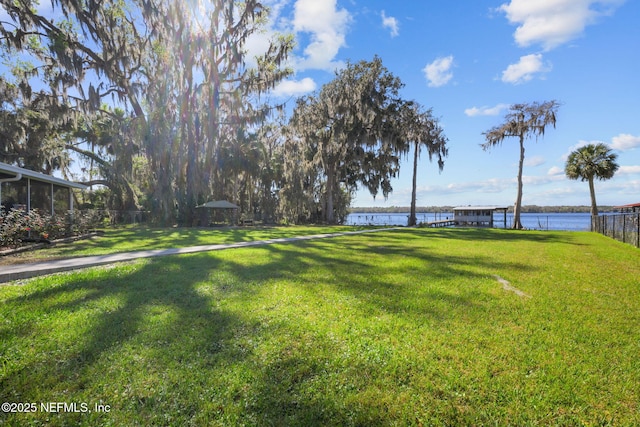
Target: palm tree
{"points": [[522, 121], [589, 162]]}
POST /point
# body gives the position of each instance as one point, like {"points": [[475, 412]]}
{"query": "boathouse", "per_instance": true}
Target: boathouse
{"points": [[480, 216], [630, 208], [25, 189]]}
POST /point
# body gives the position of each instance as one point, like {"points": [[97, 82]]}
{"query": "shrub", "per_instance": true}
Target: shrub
{"points": [[18, 227], [13, 226]]}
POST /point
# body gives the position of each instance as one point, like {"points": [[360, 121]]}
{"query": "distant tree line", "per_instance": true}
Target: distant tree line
{"points": [[448, 209]]}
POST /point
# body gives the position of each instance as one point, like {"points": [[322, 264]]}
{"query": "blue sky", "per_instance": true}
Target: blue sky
{"points": [[469, 61]]}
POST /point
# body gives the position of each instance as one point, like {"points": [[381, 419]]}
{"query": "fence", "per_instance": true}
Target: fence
{"points": [[126, 217], [622, 227], [114, 217]]}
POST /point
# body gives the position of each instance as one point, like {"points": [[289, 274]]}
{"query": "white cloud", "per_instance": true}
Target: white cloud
{"points": [[327, 28], [294, 87], [631, 188], [486, 111], [625, 141], [497, 185], [391, 23], [622, 142], [491, 185], [256, 46], [525, 69], [628, 170], [258, 43], [534, 161], [555, 170], [552, 23], [439, 73], [540, 180]]}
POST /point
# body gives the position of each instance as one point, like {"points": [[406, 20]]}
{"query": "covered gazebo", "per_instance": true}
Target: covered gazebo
{"points": [[26, 189], [220, 205]]}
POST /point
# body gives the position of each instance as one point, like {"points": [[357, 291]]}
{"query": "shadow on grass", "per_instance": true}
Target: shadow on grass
{"points": [[168, 311], [141, 238], [283, 396], [503, 235], [123, 312]]}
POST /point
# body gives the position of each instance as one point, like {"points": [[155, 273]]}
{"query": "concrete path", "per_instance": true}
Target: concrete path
{"points": [[24, 271]]}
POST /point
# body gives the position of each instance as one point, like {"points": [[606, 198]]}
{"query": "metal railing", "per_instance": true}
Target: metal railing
{"points": [[622, 227]]}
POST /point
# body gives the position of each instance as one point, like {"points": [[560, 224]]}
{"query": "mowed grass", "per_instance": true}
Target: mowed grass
{"points": [[137, 238], [406, 327]]}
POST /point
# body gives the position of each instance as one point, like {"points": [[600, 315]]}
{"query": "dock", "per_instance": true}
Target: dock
{"points": [[442, 223]]}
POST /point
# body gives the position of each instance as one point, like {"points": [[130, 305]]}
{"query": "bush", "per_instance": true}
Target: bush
{"points": [[13, 227], [18, 227]]}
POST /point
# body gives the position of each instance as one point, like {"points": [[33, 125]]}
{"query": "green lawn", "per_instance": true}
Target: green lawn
{"points": [[407, 327], [140, 238]]}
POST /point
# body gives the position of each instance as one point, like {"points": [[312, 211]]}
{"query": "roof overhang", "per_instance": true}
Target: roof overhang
{"points": [[219, 204], [481, 208], [632, 205], [15, 171]]}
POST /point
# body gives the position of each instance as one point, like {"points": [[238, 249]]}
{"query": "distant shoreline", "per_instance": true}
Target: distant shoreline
{"points": [[438, 209]]}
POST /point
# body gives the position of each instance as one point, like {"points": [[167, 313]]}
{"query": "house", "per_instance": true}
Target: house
{"points": [[479, 216], [24, 188]]}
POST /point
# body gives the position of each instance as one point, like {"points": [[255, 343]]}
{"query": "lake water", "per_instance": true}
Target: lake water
{"points": [[533, 221]]}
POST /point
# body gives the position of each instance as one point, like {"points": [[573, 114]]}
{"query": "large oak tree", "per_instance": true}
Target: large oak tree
{"points": [[349, 131], [178, 72]]}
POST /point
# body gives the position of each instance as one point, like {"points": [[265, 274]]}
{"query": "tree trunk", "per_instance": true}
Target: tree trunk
{"points": [[412, 215], [518, 205], [592, 191], [330, 184]]}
